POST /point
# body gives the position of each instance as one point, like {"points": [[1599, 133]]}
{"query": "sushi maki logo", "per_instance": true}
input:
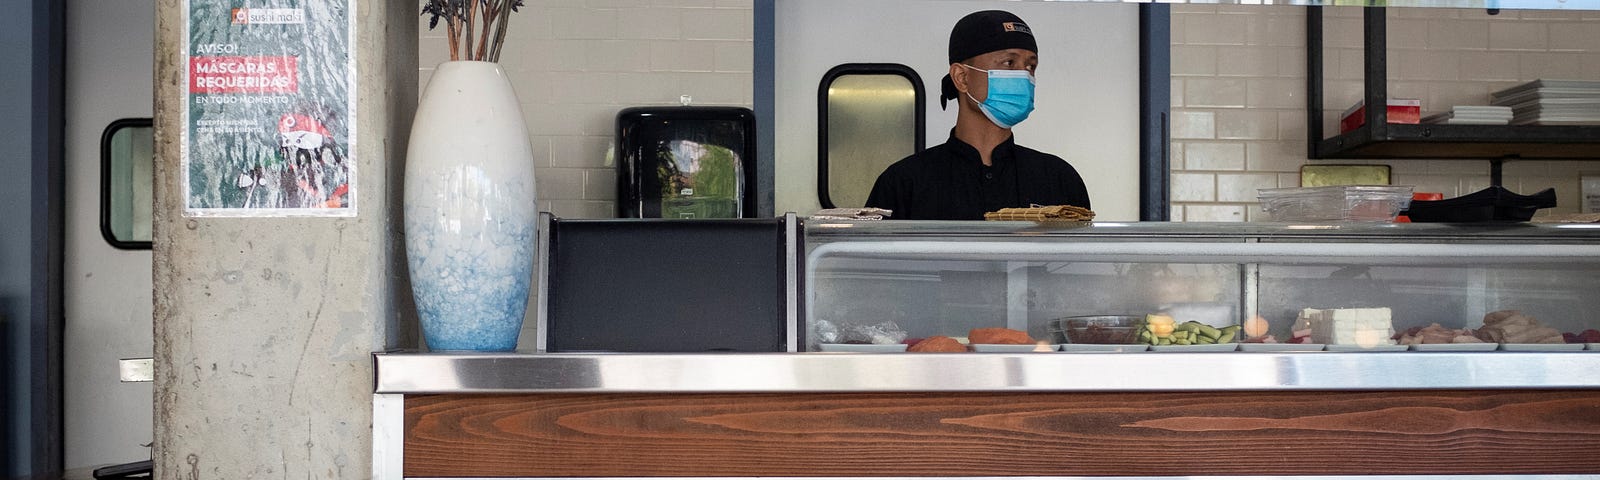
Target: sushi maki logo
{"points": [[268, 16]]}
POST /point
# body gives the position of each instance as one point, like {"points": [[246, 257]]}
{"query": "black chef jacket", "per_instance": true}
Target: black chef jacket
{"points": [[950, 182]]}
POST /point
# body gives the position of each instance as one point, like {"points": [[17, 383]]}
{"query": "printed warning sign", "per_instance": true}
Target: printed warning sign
{"points": [[270, 118], [243, 75]]}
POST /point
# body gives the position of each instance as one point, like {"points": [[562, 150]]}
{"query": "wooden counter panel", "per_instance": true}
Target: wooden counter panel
{"points": [[921, 434]]}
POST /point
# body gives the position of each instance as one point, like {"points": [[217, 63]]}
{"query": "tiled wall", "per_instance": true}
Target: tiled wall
{"points": [[1238, 94], [1237, 87], [575, 63]]}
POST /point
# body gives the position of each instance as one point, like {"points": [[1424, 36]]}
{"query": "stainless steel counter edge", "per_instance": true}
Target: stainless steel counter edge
{"points": [[410, 373]]}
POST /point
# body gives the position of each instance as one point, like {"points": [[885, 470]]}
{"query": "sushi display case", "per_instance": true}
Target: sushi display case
{"points": [[1069, 351], [1198, 287]]}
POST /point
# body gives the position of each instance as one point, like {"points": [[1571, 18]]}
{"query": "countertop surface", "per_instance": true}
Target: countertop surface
{"points": [[421, 373]]}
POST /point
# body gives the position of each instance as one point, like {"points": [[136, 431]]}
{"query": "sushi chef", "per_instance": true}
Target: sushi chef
{"points": [[993, 57]]}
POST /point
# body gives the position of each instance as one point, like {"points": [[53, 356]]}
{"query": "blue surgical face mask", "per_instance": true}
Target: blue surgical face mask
{"points": [[1010, 98]]}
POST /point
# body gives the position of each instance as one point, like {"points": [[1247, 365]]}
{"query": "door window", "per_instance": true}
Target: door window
{"points": [[127, 185]]}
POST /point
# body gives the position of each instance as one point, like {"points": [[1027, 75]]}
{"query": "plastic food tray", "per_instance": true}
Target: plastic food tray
{"points": [[1372, 348], [1541, 347], [1455, 347], [863, 348], [1353, 203], [1102, 348], [1213, 347], [1281, 347], [1012, 348]]}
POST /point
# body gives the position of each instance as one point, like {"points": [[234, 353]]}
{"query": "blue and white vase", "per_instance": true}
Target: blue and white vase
{"points": [[470, 210]]}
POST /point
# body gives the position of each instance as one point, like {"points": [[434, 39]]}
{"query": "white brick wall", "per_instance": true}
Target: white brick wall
{"points": [[575, 63], [1238, 94], [1238, 87]]}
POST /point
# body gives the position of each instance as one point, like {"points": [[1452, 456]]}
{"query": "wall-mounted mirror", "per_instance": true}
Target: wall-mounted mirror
{"points": [[127, 183], [870, 116]]}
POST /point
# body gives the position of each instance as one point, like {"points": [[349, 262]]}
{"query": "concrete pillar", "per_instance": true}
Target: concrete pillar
{"points": [[264, 326]]}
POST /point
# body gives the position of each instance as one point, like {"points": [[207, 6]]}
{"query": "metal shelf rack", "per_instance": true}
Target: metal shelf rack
{"points": [[1379, 139]]}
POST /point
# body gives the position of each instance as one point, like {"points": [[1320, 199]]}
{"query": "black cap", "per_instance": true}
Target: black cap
{"points": [[983, 32], [987, 31]]}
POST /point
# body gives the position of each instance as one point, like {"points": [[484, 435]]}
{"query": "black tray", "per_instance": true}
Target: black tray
{"points": [[1493, 204]]}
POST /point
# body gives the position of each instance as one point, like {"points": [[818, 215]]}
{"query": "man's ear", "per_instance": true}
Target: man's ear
{"points": [[958, 77]]}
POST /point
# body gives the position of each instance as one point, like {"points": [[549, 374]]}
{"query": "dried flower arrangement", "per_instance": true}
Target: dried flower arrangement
{"points": [[462, 18]]}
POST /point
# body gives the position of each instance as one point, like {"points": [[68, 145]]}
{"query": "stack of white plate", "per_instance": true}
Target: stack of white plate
{"points": [[1552, 102], [1472, 115]]}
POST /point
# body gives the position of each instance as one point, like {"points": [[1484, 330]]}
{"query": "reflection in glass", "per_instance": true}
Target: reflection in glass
{"points": [[699, 180], [127, 184], [686, 162], [871, 123]]}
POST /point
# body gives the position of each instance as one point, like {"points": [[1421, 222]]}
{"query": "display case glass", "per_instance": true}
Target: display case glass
{"points": [[1275, 287]]}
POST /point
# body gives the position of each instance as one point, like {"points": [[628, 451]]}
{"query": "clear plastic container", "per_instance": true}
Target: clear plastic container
{"points": [[1097, 329], [1353, 203]]}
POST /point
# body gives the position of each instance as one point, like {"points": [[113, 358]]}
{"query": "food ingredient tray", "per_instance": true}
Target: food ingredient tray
{"points": [[863, 347], [1096, 329], [1092, 348], [1011, 348]]}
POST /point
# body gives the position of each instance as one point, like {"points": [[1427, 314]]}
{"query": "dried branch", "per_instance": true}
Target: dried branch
{"points": [[483, 39], [472, 23], [472, 8], [500, 29], [450, 27]]}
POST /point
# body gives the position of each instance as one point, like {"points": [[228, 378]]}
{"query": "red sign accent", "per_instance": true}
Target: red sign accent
{"points": [[294, 122], [244, 74]]}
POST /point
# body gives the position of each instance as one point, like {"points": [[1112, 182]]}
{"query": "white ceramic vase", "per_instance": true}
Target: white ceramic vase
{"points": [[470, 210]]}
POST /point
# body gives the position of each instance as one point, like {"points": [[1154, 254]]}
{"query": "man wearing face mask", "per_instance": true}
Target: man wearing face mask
{"points": [[980, 169]]}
